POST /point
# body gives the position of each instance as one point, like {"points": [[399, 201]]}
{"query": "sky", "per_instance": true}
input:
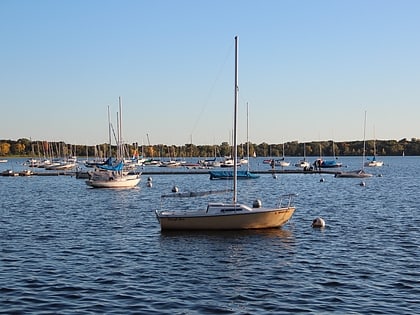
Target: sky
{"points": [[308, 70]]}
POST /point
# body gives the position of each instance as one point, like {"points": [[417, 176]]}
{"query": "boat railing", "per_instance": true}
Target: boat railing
{"points": [[286, 200]]}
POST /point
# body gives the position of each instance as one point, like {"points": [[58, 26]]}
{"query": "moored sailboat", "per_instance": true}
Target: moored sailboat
{"points": [[228, 216], [361, 172], [113, 175]]}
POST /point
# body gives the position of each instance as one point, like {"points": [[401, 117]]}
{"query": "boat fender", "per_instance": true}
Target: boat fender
{"points": [[318, 223], [257, 203]]}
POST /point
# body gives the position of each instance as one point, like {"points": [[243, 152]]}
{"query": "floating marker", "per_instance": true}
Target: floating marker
{"points": [[318, 223], [174, 189]]}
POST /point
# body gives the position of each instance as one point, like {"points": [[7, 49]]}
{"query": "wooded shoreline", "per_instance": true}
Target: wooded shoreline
{"points": [[27, 148]]}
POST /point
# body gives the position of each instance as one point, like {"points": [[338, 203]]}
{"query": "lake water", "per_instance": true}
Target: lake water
{"points": [[69, 249]]}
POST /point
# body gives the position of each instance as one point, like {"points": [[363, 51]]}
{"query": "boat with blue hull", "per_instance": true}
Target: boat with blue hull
{"points": [[229, 175]]}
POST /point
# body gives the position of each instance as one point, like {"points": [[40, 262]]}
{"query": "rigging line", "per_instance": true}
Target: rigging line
{"points": [[212, 88]]}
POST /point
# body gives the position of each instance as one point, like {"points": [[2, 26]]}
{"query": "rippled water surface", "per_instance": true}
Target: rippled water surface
{"points": [[66, 248]]}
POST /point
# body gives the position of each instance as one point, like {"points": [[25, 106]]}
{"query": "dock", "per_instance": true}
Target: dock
{"points": [[84, 174]]}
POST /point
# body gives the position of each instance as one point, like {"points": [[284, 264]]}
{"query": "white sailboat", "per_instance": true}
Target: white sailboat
{"points": [[282, 162], [361, 172], [374, 162], [303, 163], [228, 216], [114, 176]]}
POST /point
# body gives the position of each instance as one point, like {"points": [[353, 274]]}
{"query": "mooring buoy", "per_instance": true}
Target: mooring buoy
{"points": [[318, 223]]}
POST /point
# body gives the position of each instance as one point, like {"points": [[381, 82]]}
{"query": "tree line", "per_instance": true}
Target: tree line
{"points": [[27, 148]]}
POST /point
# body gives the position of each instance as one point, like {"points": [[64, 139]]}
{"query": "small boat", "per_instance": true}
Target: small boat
{"points": [[3, 161], [170, 163], [374, 162], [281, 162], [361, 172], [228, 174], [113, 179], [303, 164], [221, 216], [112, 174], [228, 216], [353, 174], [227, 162], [320, 163], [61, 166]]}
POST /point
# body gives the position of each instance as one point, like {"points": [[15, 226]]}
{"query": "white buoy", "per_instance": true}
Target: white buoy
{"points": [[149, 179], [322, 180], [174, 189], [274, 176], [149, 184], [318, 223], [362, 183]]}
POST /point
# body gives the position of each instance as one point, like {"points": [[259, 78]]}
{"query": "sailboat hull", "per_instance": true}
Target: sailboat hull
{"points": [[231, 216], [374, 163], [121, 181], [353, 174], [225, 219]]}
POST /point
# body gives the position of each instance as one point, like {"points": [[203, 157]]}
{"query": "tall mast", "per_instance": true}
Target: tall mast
{"points": [[364, 143], [109, 132], [235, 118], [247, 134]]}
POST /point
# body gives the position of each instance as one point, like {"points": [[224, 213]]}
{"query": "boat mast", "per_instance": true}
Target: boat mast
{"points": [[120, 145], [247, 134], [235, 117], [364, 143], [109, 133]]}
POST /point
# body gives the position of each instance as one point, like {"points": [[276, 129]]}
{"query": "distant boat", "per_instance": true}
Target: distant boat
{"points": [[3, 161], [113, 175], [110, 179], [303, 163], [357, 173], [374, 162], [321, 163], [228, 174], [353, 174], [227, 216], [282, 162]]}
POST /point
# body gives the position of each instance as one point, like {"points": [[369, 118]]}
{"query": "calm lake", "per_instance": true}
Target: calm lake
{"points": [[66, 248]]}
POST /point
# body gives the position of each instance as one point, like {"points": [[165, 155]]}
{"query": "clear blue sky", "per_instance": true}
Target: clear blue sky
{"points": [[308, 70]]}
